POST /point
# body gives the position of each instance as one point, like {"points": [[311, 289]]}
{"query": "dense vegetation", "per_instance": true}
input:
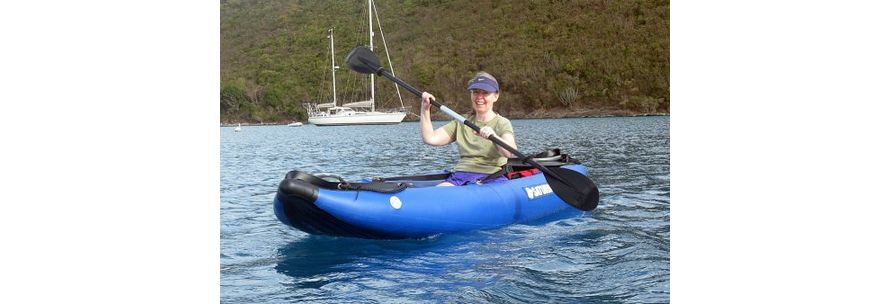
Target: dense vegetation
{"points": [[550, 56]]}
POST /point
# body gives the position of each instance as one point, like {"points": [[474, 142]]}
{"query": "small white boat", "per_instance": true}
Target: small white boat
{"points": [[295, 124], [238, 128]]}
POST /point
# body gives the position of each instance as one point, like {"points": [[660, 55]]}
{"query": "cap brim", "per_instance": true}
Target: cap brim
{"points": [[482, 86]]}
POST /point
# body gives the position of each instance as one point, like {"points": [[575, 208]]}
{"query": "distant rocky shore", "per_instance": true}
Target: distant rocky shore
{"points": [[539, 114]]}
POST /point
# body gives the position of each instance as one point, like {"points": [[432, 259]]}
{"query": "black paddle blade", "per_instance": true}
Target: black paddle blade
{"points": [[577, 190], [363, 60]]}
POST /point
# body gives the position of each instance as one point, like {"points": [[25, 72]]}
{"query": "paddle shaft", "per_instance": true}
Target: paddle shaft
{"points": [[470, 124]]}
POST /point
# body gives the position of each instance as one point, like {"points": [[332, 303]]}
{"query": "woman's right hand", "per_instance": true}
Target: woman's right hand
{"points": [[425, 101]]}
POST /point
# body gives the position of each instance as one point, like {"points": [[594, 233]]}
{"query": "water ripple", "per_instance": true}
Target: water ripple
{"points": [[617, 254]]}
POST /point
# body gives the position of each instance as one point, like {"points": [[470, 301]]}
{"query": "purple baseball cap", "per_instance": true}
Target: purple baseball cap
{"points": [[483, 83]]}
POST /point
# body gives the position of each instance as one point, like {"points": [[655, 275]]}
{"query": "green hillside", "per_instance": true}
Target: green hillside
{"points": [[550, 57]]}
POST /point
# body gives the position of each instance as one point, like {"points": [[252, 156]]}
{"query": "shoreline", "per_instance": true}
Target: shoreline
{"points": [[532, 115]]}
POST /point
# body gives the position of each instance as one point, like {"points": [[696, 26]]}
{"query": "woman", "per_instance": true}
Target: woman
{"points": [[479, 157]]}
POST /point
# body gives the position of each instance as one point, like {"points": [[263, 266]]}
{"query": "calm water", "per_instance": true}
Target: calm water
{"points": [[619, 253]]}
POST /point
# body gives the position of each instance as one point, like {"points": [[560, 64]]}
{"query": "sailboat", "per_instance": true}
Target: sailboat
{"points": [[329, 114]]}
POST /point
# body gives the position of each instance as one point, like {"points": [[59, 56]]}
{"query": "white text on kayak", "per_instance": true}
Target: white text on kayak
{"points": [[538, 191]]}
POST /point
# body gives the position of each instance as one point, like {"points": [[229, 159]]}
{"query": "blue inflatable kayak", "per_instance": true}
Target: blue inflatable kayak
{"points": [[412, 207]]}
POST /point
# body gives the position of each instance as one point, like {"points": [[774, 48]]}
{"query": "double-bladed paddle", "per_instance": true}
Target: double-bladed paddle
{"points": [[572, 187]]}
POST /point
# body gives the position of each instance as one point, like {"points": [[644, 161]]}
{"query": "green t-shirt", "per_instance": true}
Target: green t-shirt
{"points": [[478, 154]]}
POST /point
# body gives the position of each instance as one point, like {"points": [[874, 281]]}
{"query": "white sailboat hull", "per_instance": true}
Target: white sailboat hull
{"points": [[358, 118]]}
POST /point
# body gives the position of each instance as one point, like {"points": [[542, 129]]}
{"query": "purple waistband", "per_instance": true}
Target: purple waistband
{"points": [[460, 178]]}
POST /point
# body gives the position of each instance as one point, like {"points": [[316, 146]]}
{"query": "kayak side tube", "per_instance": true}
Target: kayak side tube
{"points": [[317, 206]]}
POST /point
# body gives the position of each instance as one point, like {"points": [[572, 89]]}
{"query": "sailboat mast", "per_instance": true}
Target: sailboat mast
{"points": [[333, 67], [371, 45]]}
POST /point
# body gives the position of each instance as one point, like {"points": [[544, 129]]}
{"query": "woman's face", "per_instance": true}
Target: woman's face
{"points": [[483, 101]]}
